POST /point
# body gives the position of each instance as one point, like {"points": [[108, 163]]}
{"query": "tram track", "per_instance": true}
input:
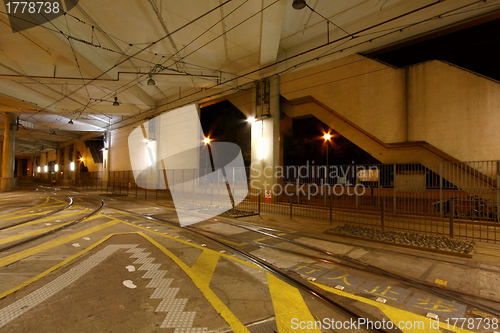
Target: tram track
{"points": [[357, 264], [339, 259], [310, 289], [70, 204], [52, 231]]}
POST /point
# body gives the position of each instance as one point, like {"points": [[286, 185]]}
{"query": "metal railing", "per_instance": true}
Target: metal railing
{"points": [[452, 199]]}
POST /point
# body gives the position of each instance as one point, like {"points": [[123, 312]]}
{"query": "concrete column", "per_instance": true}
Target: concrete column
{"points": [[266, 140], [43, 163], [8, 182], [1, 155], [105, 158], [76, 164], [67, 162]]}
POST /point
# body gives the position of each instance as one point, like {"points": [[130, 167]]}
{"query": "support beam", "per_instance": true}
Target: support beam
{"points": [[8, 182], [272, 24], [266, 137]]}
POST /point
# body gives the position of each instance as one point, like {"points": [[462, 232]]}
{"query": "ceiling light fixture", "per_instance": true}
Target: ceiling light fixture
{"points": [[151, 82], [115, 103], [70, 121], [299, 4]]}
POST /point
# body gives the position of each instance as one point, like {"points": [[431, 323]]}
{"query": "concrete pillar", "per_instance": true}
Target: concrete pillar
{"points": [[67, 163], [105, 158], [266, 138], [43, 163], [76, 164], [8, 182], [1, 154]]}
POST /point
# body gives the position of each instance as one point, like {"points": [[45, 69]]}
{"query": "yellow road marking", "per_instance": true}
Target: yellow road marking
{"points": [[25, 209], [441, 282], [35, 207], [45, 246], [289, 305], [205, 265], [233, 243], [48, 218], [40, 231], [203, 285], [268, 237], [37, 213], [283, 302], [397, 315], [53, 268], [187, 243]]}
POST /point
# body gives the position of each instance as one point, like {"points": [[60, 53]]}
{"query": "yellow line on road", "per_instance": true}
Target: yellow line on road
{"points": [[205, 265], [36, 207], [45, 219], [188, 243], [268, 237], [40, 231], [45, 246], [289, 306], [53, 268], [398, 316], [25, 209], [41, 213], [233, 243], [202, 282]]}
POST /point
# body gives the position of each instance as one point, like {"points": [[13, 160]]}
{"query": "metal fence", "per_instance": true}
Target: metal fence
{"points": [[450, 199]]}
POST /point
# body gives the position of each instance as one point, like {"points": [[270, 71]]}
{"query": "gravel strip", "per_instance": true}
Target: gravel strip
{"points": [[426, 241]]}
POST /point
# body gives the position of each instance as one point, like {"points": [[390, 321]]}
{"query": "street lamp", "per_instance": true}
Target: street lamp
{"points": [[207, 143], [327, 138]]}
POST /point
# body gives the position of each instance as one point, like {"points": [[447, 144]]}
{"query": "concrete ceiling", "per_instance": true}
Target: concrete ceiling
{"points": [[73, 67]]}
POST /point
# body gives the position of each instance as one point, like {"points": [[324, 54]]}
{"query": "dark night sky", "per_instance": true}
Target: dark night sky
{"points": [[307, 145], [476, 48], [223, 122]]}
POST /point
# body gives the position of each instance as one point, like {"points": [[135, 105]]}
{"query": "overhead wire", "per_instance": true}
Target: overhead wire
{"points": [[124, 87], [122, 61], [328, 54], [309, 60]]}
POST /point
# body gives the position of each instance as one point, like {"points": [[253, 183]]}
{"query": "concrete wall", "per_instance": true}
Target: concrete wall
{"points": [[366, 92], [454, 110], [119, 159]]}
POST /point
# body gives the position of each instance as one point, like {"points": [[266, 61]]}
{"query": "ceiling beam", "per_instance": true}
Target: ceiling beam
{"points": [[272, 24]]}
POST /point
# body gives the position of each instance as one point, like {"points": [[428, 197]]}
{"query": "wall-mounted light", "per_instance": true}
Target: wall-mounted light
{"points": [[207, 141], [251, 120], [81, 159], [56, 167], [72, 166], [46, 168], [38, 169]]}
